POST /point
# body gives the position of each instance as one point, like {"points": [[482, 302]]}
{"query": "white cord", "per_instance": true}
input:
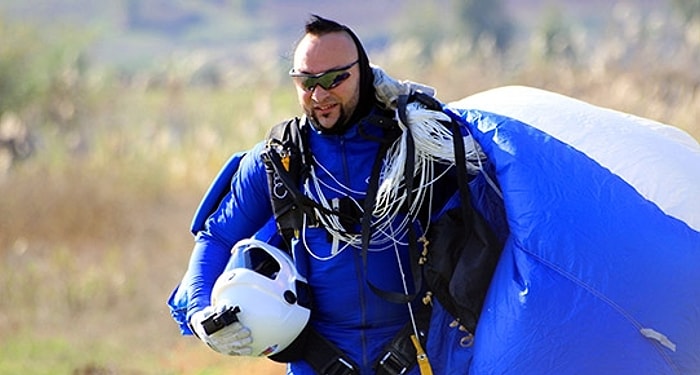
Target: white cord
{"points": [[433, 143], [404, 284], [343, 186], [313, 188]]}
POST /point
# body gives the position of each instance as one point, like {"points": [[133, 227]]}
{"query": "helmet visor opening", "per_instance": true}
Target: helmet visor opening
{"points": [[255, 259]]}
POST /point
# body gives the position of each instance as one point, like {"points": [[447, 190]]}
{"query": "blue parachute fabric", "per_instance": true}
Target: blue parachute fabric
{"points": [[599, 274], [177, 303], [219, 187]]}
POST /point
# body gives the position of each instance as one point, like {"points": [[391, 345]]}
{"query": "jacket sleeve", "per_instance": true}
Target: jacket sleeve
{"points": [[243, 212]]}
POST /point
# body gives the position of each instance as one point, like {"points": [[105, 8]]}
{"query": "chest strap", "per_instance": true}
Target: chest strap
{"points": [[326, 358]]}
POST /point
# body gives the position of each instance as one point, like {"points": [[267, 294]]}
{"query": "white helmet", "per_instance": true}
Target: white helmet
{"points": [[273, 298]]}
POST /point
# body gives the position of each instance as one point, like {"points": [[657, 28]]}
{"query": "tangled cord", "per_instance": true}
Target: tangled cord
{"points": [[432, 143]]}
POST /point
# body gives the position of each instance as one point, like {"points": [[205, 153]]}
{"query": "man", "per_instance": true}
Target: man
{"points": [[353, 268]]}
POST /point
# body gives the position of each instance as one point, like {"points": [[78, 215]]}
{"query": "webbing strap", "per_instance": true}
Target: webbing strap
{"points": [[325, 358], [402, 354], [289, 204], [370, 200], [469, 214], [399, 356]]}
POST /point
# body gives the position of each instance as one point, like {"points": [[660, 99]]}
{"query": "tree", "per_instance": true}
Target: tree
{"points": [[485, 18], [689, 9]]}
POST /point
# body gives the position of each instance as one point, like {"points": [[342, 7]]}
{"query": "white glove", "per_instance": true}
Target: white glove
{"points": [[388, 89], [233, 339]]}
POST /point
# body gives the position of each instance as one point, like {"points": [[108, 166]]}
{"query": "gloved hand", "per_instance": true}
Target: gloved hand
{"points": [[388, 89], [232, 339]]}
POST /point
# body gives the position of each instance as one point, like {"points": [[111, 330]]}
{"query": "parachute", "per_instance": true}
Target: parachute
{"points": [[599, 274]]}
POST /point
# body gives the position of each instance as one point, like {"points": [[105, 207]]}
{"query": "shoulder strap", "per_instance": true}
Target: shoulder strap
{"points": [[469, 243], [287, 159], [285, 165]]}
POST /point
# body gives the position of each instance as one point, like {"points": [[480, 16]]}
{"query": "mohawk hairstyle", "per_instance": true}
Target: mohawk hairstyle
{"points": [[318, 25]]}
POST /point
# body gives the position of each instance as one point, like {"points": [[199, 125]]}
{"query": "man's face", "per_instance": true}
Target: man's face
{"points": [[319, 54]]}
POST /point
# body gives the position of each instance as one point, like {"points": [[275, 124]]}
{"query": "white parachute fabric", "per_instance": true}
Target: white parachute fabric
{"points": [[632, 147], [599, 272]]}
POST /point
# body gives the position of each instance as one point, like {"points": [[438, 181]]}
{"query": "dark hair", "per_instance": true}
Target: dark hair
{"points": [[318, 25]]}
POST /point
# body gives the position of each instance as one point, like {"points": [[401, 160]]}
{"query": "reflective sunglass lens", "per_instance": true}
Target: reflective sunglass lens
{"points": [[327, 81]]}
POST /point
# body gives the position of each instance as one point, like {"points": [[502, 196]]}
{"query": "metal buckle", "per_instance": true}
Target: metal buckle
{"points": [[339, 367], [220, 320], [392, 364]]}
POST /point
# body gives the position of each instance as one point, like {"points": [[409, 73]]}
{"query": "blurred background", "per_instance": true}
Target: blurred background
{"points": [[116, 114]]}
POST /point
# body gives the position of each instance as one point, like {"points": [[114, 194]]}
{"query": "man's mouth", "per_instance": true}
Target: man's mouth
{"points": [[325, 108]]}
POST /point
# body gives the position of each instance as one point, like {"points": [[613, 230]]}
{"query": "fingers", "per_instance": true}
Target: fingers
{"points": [[233, 339], [231, 347], [246, 350], [235, 331]]}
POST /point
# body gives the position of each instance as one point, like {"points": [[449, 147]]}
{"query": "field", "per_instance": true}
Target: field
{"points": [[94, 223]]}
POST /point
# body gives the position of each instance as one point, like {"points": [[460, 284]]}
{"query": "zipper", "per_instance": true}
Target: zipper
{"points": [[344, 157], [366, 361]]}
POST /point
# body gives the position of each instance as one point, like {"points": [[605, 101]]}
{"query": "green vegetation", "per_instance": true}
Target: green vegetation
{"points": [[108, 162]]}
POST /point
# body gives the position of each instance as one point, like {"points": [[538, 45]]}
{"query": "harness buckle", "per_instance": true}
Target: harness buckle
{"points": [[393, 364], [339, 367]]}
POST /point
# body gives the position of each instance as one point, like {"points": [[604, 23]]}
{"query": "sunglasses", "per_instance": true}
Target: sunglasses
{"points": [[328, 80]]}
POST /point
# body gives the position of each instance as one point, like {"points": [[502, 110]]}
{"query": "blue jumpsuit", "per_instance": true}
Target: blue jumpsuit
{"points": [[345, 310]]}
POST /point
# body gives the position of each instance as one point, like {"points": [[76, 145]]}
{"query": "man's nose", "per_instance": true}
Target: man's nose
{"points": [[318, 93]]}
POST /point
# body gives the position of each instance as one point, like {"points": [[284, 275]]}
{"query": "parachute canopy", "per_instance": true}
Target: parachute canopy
{"points": [[599, 274]]}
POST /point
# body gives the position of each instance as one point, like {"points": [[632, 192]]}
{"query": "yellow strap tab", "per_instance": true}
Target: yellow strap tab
{"points": [[423, 362]]}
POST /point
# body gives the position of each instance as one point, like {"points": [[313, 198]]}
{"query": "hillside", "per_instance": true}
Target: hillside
{"points": [[133, 34]]}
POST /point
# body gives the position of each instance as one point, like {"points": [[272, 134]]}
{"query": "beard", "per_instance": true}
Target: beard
{"points": [[339, 126], [345, 111]]}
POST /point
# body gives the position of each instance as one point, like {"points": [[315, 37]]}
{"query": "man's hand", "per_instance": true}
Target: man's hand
{"points": [[232, 338]]}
